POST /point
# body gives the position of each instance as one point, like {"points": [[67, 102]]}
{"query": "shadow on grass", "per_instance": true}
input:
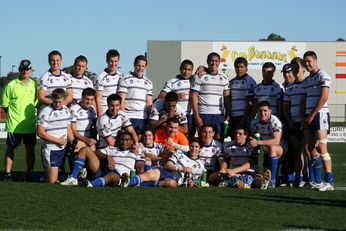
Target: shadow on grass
{"points": [[296, 200], [309, 227]]}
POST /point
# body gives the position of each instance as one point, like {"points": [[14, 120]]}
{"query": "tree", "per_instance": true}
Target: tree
{"points": [[273, 37], [340, 40]]}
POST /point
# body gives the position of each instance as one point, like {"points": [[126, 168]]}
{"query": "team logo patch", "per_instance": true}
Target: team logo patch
{"points": [[179, 84], [131, 81], [55, 114], [51, 80], [206, 78], [65, 79], [86, 83], [107, 80], [81, 113]]}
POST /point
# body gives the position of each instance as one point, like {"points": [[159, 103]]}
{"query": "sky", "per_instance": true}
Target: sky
{"points": [[31, 29]]}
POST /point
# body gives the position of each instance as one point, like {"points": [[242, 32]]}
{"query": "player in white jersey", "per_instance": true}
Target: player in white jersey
{"points": [[106, 83], [242, 160], [270, 129], [105, 166], [241, 95], [152, 152], [293, 116], [210, 151], [317, 120], [137, 93], [112, 121], [210, 96], [54, 78], [269, 90], [83, 121], [174, 171], [54, 128], [163, 110], [181, 85], [79, 81]]}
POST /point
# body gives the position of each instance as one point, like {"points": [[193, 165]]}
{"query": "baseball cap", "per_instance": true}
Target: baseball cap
{"points": [[24, 64], [286, 68]]}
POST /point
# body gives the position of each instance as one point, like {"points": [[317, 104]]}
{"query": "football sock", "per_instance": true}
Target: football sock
{"points": [[311, 171], [273, 167], [328, 177], [99, 182], [136, 180], [317, 165], [78, 165]]}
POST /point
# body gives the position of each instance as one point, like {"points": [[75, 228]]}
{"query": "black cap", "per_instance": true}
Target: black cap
{"points": [[24, 64], [286, 68]]}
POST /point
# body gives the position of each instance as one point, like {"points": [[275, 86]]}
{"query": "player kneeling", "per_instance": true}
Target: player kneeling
{"points": [[172, 174], [108, 166]]}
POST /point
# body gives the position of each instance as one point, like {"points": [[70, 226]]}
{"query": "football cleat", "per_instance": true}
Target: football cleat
{"points": [[7, 177], [86, 183], [223, 184], [241, 184], [70, 181], [266, 176], [326, 187], [125, 180], [83, 173]]}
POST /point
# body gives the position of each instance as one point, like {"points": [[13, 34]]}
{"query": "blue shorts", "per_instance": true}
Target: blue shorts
{"points": [[101, 171], [320, 122], [215, 120], [138, 124], [165, 174], [53, 158], [14, 139]]}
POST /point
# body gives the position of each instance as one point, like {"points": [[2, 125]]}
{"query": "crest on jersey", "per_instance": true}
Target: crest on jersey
{"points": [[206, 78], [107, 80], [179, 84], [131, 81], [51, 80], [65, 79], [145, 82], [86, 83], [55, 114], [81, 113], [272, 89]]}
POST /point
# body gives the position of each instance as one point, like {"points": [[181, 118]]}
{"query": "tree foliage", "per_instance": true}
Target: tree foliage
{"points": [[273, 37], [340, 40]]}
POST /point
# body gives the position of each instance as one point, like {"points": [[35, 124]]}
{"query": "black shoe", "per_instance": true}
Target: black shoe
{"points": [[7, 177]]}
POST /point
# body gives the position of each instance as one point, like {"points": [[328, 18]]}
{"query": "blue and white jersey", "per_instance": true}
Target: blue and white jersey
{"points": [[158, 111], [180, 85], [108, 126], [124, 160], [155, 150], [78, 85], [241, 154], [137, 89], [293, 95], [55, 121], [270, 92], [241, 88], [50, 82], [209, 154], [313, 85], [181, 160], [266, 130], [210, 89], [83, 118], [108, 84]]}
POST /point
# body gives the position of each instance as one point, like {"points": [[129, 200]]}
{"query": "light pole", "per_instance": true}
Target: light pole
{"points": [[13, 66]]}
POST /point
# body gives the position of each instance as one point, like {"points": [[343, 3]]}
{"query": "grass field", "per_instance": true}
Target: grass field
{"points": [[37, 206]]}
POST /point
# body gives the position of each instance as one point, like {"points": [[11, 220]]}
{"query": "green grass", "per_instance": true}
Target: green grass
{"points": [[32, 206]]}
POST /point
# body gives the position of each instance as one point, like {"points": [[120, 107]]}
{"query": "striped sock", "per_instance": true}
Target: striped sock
{"points": [[77, 166], [99, 182]]}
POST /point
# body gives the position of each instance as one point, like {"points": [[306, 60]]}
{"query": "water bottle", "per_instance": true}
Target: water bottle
{"points": [[258, 137], [225, 128]]}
